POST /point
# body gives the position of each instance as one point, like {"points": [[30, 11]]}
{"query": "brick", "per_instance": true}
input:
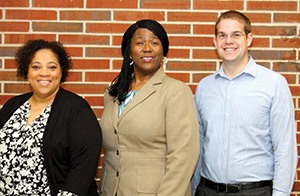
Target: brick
{"points": [[287, 17], [1, 64], [295, 90], [137, 15], [178, 53], [205, 54], [16, 88], [274, 30], [193, 88], [112, 4], [75, 51], [285, 66], [8, 51], [74, 76], [14, 26], [260, 42], [204, 29], [95, 100], [97, 112], [192, 17], [14, 3], [85, 88], [85, 15], [106, 27], [10, 63], [296, 186], [218, 5], [103, 52], [297, 117], [177, 28], [117, 64], [191, 66], [290, 78], [117, 40], [90, 64], [23, 38], [31, 14], [184, 77], [58, 3], [84, 39], [272, 5], [273, 54], [8, 76], [1, 14], [4, 98], [199, 76], [259, 17], [57, 27], [165, 4], [286, 43], [191, 41], [100, 76]]}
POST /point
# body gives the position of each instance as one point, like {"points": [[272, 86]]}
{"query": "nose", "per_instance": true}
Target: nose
{"points": [[44, 71], [229, 39], [147, 47]]}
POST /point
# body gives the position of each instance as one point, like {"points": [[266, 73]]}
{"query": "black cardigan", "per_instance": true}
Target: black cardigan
{"points": [[71, 143]]}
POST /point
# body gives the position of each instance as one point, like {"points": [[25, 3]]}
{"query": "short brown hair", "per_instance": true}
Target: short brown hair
{"points": [[233, 14]]}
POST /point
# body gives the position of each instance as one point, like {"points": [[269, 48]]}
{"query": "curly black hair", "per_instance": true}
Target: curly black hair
{"points": [[26, 53]]}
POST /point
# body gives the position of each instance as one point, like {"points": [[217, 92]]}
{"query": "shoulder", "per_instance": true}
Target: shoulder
{"points": [[18, 100], [65, 98]]}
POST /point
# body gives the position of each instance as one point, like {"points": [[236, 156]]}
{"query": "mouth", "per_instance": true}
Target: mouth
{"points": [[147, 58], [44, 82], [230, 49]]}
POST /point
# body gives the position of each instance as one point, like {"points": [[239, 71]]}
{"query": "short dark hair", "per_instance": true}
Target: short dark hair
{"points": [[233, 14], [120, 85], [26, 53]]}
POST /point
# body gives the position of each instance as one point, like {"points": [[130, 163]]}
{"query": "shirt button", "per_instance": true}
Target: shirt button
{"points": [[115, 131], [223, 168], [228, 96], [117, 152], [117, 174], [227, 114], [226, 132]]}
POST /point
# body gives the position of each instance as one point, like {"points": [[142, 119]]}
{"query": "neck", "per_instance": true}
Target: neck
{"points": [[233, 69], [41, 102]]}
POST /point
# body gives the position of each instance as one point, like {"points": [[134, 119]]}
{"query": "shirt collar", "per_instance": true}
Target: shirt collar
{"points": [[250, 69]]}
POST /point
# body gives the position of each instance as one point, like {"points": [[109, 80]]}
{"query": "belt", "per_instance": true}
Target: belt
{"points": [[234, 188]]}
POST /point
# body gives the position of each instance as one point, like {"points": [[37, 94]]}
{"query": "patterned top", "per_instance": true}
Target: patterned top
{"points": [[128, 98], [22, 170]]}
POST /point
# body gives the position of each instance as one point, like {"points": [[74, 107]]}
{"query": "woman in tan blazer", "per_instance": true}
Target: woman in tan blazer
{"points": [[149, 123]]}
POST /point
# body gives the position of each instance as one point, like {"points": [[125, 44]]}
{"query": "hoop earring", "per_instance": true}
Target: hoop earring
{"points": [[131, 63], [164, 61]]}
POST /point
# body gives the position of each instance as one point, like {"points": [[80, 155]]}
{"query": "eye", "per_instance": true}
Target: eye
{"points": [[52, 67], [35, 67], [236, 35], [154, 43], [221, 35]]}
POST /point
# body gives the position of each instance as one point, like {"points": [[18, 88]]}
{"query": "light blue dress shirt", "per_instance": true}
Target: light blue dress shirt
{"points": [[247, 129]]}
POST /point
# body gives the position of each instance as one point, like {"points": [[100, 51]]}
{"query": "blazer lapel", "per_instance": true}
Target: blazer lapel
{"points": [[147, 90]]}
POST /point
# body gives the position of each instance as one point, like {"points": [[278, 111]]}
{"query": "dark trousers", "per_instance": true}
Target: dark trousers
{"points": [[202, 190]]}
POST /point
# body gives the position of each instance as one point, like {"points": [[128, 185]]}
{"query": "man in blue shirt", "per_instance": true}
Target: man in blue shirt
{"points": [[247, 125]]}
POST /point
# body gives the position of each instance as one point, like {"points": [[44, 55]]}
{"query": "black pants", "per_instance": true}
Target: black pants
{"points": [[202, 190]]}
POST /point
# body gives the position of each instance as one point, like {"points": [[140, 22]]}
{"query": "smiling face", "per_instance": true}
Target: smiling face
{"points": [[44, 74], [146, 52], [232, 43]]}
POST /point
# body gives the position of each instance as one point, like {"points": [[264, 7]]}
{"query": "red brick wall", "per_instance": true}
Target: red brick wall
{"points": [[91, 30]]}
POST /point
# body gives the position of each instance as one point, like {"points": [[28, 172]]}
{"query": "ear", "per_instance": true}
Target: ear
{"points": [[215, 41], [249, 39]]}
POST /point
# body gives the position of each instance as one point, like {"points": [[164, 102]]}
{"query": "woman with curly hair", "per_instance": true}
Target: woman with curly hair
{"points": [[50, 139]]}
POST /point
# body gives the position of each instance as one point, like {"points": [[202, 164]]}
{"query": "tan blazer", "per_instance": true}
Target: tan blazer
{"points": [[152, 148]]}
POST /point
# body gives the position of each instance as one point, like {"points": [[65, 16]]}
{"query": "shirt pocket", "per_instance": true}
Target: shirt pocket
{"points": [[149, 178]]}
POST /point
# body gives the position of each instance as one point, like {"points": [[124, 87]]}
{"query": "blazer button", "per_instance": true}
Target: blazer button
{"points": [[115, 131], [117, 152], [117, 174]]}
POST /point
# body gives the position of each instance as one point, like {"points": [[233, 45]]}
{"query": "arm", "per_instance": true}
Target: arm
{"points": [[283, 133], [182, 142], [84, 150], [197, 176]]}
